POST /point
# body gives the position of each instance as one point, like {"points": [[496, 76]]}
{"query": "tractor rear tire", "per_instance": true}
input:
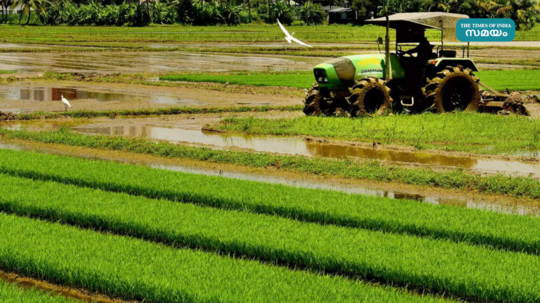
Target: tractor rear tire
{"points": [[312, 102], [370, 97], [455, 89]]}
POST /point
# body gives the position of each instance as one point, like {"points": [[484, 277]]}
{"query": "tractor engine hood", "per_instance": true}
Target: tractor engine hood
{"points": [[341, 73]]}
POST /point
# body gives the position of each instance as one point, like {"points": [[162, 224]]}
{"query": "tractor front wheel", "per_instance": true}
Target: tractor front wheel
{"points": [[454, 89], [370, 97], [312, 102]]}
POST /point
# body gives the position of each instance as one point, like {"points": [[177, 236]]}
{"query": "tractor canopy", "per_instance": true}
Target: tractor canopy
{"points": [[410, 26]]}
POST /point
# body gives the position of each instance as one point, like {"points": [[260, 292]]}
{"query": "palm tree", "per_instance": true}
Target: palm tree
{"points": [[28, 6], [5, 4]]}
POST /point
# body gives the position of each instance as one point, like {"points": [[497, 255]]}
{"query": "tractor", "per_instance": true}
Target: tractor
{"points": [[416, 77]]}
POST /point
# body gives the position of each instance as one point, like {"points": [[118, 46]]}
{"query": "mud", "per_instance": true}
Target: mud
{"points": [[186, 129], [311, 148], [147, 62], [80, 295], [30, 96], [522, 206]]}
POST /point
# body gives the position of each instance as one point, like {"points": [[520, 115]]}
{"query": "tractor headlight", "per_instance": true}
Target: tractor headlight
{"points": [[320, 76]]}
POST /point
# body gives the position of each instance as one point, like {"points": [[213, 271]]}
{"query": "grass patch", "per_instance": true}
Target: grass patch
{"points": [[5, 72], [153, 112], [466, 132], [515, 80], [299, 79], [138, 270], [132, 36], [436, 266], [456, 179]]}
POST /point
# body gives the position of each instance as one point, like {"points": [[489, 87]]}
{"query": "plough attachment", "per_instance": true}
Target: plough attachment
{"points": [[503, 104]]}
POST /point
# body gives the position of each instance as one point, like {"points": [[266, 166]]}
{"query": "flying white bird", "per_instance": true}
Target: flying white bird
{"points": [[66, 102], [289, 37]]}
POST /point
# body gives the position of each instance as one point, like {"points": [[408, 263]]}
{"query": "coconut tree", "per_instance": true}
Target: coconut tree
{"points": [[29, 5], [6, 5], [523, 12]]}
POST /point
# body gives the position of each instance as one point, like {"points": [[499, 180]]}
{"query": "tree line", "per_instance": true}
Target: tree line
{"points": [[526, 13]]}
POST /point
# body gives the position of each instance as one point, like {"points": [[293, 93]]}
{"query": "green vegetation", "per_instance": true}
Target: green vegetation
{"points": [[165, 221], [436, 266], [467, 132], [457, 179], [286, 201], [137, 270], [153, 111], [12, 293], [7, 72], [299, 79], [515, 80]]}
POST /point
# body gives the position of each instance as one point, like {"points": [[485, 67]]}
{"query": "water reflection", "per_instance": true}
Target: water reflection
{"points": [[298, 146], [44, 94]]}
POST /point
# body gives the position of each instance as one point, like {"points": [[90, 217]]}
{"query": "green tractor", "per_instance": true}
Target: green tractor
{"points": [[415, 80]]}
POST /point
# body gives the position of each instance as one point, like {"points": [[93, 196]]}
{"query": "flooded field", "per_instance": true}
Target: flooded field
{"points": [[188, 130], [22, 97], [148, 62], [29, 94], [299, 146], [387, 190]]}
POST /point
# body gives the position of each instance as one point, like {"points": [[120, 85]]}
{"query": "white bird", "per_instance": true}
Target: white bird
{"points": [[289, 37], [66, 102]]}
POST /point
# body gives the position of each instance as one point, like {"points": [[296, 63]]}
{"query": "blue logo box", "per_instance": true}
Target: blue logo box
{"points": [[485, 30]]}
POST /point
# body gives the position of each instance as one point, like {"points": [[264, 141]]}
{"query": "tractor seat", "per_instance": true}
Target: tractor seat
{"points": [[447, 54]]}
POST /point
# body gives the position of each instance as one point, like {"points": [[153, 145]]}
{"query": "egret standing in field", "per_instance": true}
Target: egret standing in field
{"points": [[289, 37], [66, 102]]}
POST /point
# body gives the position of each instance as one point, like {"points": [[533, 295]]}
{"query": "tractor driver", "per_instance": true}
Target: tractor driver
{"points": [[424, 49]]}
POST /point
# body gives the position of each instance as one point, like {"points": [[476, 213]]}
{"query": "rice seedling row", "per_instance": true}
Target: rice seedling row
{"points": [[173, 34], [515, 80], [134, 269], [502, 231], [13, 293], [430, 265], [467, 132], [154, 111], [456, 179]]}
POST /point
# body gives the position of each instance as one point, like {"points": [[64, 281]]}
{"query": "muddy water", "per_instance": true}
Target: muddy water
{"points": [[460, 201], [431, 197], [34, 93], [299, 146], [110, 62]]}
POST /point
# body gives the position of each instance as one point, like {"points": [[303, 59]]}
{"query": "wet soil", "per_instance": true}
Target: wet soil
{"points": [[468, 199], [192, 130], [30, 96], [177, 61], [57, 290], [148, 62]]}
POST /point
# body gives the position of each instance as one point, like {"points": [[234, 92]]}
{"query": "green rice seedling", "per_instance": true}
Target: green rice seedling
{"points": [[291, 79], [433, 265], [515, 80], [467, 132], [457, 179], [517, 186], [12, 293], [109, 37], [155, 112], [134, 269], [478, 227]]}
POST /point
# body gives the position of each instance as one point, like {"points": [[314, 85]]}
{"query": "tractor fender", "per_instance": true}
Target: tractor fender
{"points": [[465, 62]]}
